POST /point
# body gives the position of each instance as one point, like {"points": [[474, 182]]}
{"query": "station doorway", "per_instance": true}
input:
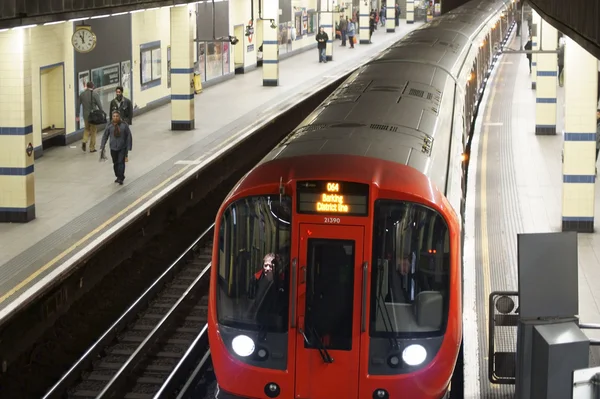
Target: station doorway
{"points": [[52, 105]]}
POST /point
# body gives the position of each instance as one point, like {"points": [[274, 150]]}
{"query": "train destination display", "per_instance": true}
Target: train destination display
{"points": [[343, 198]]}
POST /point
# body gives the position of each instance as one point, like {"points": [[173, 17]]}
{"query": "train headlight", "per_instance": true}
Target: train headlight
{"points": [[414, 355], [243, 345]]}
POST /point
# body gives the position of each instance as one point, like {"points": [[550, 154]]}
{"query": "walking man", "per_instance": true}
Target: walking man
{"points": [[90, 101], [120, 144], [123, 106]]}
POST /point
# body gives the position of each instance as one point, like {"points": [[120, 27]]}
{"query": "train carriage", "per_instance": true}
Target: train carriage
{"points": [[337, 260]]}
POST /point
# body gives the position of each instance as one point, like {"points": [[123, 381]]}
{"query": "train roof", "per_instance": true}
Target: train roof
{"points": [[399, 106]]}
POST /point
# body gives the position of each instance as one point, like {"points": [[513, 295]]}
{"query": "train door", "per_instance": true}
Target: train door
{"points": [[329, 308]]}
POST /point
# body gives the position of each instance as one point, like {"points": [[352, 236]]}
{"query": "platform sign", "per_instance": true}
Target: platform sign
{"points": [[332, 197]]}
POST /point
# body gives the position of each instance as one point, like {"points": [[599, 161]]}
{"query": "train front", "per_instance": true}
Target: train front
{"points": [[328, 289]]}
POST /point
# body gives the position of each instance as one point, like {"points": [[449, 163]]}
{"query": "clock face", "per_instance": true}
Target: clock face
{"points": [[83, 40]]}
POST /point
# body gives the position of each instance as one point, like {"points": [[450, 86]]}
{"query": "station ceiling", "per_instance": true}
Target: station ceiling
{"points": [[579, 19]]}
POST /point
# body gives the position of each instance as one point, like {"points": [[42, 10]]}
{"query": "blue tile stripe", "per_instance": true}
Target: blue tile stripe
{"points": [[16, 171], [579, 178], [580, 137], [533, 43], [533, 63], [182, 96], [16, 210], [16, 131], [578, 218], [270, 42], [270, 61], [545, 100], [182, 71], [363, 15], [327, 26], [547, 73], [190, 121], [545, 126]]}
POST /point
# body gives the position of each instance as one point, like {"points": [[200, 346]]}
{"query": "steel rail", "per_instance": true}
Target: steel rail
{"points": [[74, 373]]}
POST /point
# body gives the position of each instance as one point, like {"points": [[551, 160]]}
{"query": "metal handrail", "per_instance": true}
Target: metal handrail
{"points": [[172, 381], [118, 379], [73, 373]]}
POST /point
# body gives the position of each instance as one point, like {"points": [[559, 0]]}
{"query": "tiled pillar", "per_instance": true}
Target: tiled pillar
{"points": [[326, 19], [17, 189], [579, 153], [547, 65], [390, 16], [270, 45], [182, 68], [410, 11], [536, 23], [363, 21]]}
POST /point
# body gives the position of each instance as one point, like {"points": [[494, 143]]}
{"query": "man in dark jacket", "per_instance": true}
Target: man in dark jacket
{"points": [[528, 46], [120, 145], [343, 29], [322, 39], [90, 100], [123, 106]]}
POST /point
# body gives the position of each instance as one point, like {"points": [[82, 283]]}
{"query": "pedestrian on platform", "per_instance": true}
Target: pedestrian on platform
{"points": [[123, 106], [351, 32], [528, 46], [89, 100], [120, 144], [397, 15], [343, 29], [322, 39], [372, 24]]}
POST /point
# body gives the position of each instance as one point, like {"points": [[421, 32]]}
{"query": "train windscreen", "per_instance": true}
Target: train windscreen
{"points": [[254, 264], [410, 277]]}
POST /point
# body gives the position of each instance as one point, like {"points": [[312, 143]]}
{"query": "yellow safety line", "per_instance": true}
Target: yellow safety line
{"points": [[485, 256], [51, 263]]}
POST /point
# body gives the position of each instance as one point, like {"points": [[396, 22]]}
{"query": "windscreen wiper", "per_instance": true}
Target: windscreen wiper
{"points": [[322, 350], [320, 347]]}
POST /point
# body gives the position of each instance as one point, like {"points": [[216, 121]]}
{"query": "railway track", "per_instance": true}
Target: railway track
{"points": [[159, 346]]}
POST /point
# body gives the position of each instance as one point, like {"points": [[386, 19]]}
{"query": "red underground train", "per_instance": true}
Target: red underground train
{"points": [[337, 260]]}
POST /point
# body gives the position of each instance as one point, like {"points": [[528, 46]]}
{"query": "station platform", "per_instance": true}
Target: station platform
{"points": [[77, 202], [518, 189]]}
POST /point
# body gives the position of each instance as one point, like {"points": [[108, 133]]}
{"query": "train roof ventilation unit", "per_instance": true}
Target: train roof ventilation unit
{"points": [[425, 92], [387, 128]]}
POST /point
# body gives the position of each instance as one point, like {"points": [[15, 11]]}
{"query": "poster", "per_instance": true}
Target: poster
{"points": [[126, 78], [82, 79], [146, 66], [106, 79]]}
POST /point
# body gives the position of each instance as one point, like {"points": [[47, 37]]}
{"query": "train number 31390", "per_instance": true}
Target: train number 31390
{"points": [[332, 220]]}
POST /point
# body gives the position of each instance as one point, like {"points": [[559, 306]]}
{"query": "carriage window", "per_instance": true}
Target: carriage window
{"points": [[410, 272], [254, 261]]}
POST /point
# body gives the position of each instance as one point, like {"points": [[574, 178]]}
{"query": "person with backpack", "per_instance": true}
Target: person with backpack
{"points": [[120, 144], [89, 100]]}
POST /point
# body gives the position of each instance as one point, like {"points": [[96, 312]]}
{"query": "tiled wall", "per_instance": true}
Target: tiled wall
{"points": [[240, 13], [51, 47], [150, 26]]}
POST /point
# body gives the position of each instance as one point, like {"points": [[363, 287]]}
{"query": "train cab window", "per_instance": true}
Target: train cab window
{"points": [[329, 294], [410, 272], [254, 264]]}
